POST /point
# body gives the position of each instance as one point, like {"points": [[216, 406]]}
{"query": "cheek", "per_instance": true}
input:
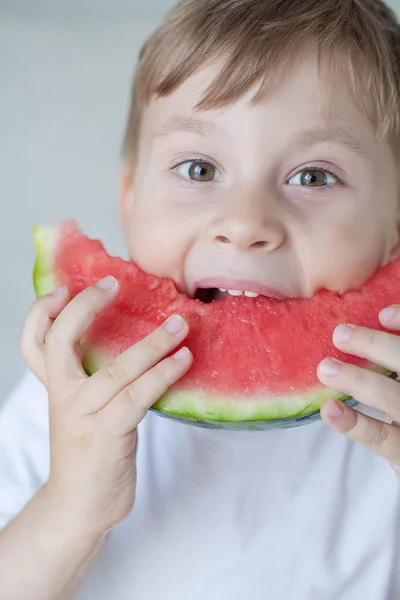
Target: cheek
{"points": [[347, 251], [157, 243]]}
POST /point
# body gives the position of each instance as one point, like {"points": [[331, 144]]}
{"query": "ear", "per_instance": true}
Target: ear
{"points": [[125, 195]]}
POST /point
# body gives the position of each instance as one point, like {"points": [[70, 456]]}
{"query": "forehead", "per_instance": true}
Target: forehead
{"points": [[305, 98]]}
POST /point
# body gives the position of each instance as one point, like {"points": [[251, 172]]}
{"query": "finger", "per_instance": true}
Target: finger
{"points": [[131, 364], [63, 361], [129, 407], [376, 435], [390, 317], [40, 318], [379, 347], [368, 387]]}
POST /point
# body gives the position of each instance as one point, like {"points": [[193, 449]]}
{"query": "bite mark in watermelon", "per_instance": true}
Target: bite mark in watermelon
{"points": [[255, 359]]}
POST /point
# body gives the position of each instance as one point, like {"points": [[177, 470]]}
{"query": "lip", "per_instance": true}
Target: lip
{"points": [[241, 285]]}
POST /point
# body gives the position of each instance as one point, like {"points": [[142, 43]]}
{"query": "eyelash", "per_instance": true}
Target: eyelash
{"points": [[311, 166], [315, 167], [194, 159]]}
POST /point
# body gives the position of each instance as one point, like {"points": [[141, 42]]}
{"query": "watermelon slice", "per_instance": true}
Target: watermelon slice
{"points": [[255, 359]]}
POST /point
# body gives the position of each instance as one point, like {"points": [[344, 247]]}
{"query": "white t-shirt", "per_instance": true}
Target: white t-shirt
{"points": [[297, 514]]}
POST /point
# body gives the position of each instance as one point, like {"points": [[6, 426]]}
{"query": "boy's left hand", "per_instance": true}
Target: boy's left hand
{"points": [[375, 391]]}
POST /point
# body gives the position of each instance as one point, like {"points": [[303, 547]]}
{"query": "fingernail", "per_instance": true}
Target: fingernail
{"points": [[59, 292], [336, 410], [108, 283], [387, 314], [342, 333], [329, 367], [174, 324], [181, 354]]}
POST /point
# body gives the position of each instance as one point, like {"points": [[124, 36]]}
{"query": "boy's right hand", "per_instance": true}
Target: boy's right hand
{"points": [[93, 420]]}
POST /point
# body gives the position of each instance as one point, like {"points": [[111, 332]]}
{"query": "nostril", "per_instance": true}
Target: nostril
{"points": [[222, 239], [261, 244]]}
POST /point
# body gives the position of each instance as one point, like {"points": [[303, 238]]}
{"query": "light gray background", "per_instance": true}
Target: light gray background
{"points": [[65, 72]]}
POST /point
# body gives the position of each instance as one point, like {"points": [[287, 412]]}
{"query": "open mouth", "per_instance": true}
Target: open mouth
{"points": [[207, 295], [217, 288]]}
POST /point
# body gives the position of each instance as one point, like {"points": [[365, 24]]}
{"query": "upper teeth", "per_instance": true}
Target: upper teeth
{"points": [[239, 293]]}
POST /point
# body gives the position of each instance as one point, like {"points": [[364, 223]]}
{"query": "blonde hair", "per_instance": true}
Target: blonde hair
{"points": [[256, 40]]}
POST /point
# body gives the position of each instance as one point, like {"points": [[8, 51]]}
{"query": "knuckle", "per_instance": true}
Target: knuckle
{"points": [[132, 394], [159, 377], [168, 371], [369, 339], [26, 346], [53, 338], [85, 300], [377, 435], [358, 377], [116, 372], [152, 386], [351, 423], [139, 402], [40, 303], [27, 340], [27, 350], [89, 301], [154, 344]]}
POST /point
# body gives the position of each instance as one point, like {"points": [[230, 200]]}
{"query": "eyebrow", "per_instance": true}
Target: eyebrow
{"points": [[195, 125], [305, 137], [333, 133]]}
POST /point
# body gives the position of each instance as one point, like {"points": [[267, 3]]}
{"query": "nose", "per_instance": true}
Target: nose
{"points": [[249, 232]]}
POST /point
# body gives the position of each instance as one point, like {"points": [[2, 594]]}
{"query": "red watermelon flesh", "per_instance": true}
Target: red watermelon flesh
{"points": [[255, 359]]}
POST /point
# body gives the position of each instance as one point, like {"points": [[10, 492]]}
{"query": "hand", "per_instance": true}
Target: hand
{"points": [[374, 390], [93, 420]]}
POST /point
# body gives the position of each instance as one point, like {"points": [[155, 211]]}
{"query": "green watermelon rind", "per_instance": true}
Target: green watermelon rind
{"points": [[179, 403], [196, 406], [44, 280]]}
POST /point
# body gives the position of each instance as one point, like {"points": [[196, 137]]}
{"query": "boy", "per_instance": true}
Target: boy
{"points": [[262, 134]]}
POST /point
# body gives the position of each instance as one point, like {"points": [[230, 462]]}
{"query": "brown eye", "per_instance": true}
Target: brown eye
{"points": [[201, 171], [313, 178]]}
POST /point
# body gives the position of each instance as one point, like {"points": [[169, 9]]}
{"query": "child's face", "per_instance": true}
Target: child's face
{"points": [[281, 193]]}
